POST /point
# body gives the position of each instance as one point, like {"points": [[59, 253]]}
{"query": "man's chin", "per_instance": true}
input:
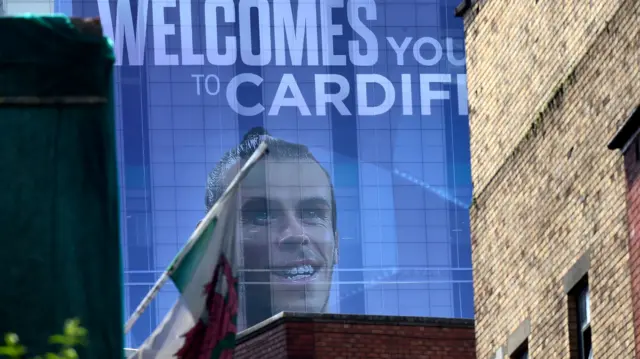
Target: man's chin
{"points": [[305, 296]]}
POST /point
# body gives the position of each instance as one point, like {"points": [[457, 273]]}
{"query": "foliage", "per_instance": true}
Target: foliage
{"points": [[73, 336]]}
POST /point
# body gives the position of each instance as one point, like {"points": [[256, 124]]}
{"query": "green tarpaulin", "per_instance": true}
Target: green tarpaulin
{"points": [[59, 231]]}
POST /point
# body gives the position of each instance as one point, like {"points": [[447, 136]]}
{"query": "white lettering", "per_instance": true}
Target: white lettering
{"points": [[197, 77], [436, 46], [306, 26], [375, 94], [389, 94], [214, 56], [296, 31], [371, 55], [463, 101], [399, 49], [124, 30], [263, 57], [232, 94], [427, 95], [337, 99], [288, 82], [450, 56], [329, 31], [186, 36], [407, 95], [207, 82], [160, 33]]}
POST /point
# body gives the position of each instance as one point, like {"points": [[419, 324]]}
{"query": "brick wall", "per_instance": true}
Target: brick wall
{"points": [[549, 83], [517, 52], [323, 336]]}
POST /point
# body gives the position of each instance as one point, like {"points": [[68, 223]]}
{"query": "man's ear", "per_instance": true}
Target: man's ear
{"points": [[336, 249]]}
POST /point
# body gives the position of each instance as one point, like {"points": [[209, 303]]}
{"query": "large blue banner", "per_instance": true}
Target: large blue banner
{"points": [[362, 206]]}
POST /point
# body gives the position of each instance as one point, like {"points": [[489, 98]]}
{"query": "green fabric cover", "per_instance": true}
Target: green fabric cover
{"points": [[59, 230]]}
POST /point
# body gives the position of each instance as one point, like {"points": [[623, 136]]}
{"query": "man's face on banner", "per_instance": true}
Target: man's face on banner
{"points": [[287, 233]]}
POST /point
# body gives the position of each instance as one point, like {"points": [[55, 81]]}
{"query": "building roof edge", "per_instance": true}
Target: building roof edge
{"points": [[462, 8], [626, 132], [288, 317]]}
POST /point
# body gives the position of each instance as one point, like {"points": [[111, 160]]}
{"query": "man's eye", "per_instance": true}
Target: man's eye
{"points": [[256, 217], [312, 214]]}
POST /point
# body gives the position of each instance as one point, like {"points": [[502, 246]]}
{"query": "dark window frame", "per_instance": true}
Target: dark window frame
{"points": [[518, 341], [522, 352], [575, 282], [580, 312]]}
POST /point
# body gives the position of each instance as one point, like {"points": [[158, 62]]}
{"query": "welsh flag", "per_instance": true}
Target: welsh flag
{"points": [[202, 323]]}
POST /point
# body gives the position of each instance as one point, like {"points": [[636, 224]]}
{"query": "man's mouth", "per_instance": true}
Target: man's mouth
{"points": [[298, 271]]}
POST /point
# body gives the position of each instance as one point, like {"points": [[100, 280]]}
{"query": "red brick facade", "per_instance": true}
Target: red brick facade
{"points": [[632, 169], [328, 336], [628, 141]]}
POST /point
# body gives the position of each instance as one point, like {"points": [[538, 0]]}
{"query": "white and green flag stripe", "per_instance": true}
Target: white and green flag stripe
{"points": [[202, 323]]}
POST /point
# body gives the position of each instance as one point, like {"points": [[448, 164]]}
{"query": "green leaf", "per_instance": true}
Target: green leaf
{"points": [[69, 353], [7, 351], [59, 339], [13, 351], [73, 334], [11, 339]]}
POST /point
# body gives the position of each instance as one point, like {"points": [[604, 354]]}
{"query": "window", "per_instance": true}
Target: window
{"points": [[518, 341], [522, 352], [583, 306], [576, 286]]}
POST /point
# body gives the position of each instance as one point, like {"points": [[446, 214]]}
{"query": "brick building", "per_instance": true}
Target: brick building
{"points": [[330, 336], [550, 83], [628, 142]]}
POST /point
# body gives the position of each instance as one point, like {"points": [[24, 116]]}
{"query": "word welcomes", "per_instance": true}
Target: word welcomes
{"points": [[322, 35]]}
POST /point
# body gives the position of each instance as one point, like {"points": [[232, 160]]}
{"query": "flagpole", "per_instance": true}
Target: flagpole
{"points": [[166, 275]]}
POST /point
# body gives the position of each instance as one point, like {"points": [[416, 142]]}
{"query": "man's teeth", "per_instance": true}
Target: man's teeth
{"points": [[299, 271]]}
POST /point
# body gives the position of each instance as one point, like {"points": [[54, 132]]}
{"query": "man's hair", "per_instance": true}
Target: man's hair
{"points": [[277, 148]]}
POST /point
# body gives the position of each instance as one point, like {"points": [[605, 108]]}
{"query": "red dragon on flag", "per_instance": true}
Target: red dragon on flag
{"points": [[215, 337]]}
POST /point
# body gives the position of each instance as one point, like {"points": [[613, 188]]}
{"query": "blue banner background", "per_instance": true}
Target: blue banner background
{"points": [[402, 182]]}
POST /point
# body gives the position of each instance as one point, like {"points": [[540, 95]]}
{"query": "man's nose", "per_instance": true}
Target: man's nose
{"points": [[293, 242], [293, 235]]}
